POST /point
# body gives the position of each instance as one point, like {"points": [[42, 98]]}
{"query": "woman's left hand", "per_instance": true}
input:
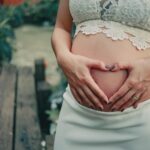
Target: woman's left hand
{"points": [[134, 87]]}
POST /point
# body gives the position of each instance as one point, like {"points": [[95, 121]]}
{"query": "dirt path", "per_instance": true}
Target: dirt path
{"points": [[33, 42]]}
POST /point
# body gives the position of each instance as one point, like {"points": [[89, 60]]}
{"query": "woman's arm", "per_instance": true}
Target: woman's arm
{"points": [[61, 37], [76, 67]]}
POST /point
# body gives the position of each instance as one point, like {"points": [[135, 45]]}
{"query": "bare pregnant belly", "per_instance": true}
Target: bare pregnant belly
{"points": [[100, 47]]}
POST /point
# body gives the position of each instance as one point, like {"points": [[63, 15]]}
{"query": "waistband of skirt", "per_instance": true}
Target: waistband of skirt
{"points": [[68, 96]]}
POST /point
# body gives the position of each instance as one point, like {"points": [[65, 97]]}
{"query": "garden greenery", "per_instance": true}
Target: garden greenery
{"points": [[6, 34], [37, 14], [11, 17]]}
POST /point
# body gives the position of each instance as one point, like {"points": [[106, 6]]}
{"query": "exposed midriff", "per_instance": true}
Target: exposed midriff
{"points": [[102, 48]]}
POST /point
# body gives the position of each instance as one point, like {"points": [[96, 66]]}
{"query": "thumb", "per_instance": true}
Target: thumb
{"points": [[122, 65], [97, 64]]}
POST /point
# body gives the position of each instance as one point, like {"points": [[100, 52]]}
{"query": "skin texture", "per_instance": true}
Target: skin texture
{"points": [[84, 60], [83, 87], [100, 47], [137, 84]]}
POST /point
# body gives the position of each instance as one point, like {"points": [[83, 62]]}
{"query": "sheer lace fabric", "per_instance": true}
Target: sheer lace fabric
{"points": [[118, 19]]}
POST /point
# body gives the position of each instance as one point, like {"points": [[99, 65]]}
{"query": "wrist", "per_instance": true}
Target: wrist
{"points": [[63, 56]]}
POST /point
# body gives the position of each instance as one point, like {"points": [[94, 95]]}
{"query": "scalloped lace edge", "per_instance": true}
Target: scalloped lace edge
{"points": [[116, 31]]}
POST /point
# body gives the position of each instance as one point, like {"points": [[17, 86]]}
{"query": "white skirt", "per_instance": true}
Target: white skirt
{"points": [[83, 128]]}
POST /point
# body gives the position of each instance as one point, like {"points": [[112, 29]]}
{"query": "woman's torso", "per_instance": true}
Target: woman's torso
{"points": [[100, 46]]}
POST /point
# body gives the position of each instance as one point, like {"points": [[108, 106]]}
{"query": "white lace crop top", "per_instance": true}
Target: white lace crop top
{"points": [[118, 19]]}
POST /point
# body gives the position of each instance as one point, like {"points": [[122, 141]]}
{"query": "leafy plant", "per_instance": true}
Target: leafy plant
{"points": [[17, 17], [45, 10], [37, 13], [6, 34]]}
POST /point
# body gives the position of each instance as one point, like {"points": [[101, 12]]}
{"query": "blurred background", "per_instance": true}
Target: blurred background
{"points": [[25, 32]]}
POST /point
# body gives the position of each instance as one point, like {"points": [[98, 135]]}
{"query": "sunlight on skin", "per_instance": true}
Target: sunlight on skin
{"points": [[100, 47], [109, 82]]}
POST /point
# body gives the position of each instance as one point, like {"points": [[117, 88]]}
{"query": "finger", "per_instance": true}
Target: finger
{"points": [[84, 98], [96, 90], [77, 97], [139, 95], [131, 99], [135, 104], [120, 103], [121, 92], [97, 64], [93, 97], [122, 65], [110, 66]]}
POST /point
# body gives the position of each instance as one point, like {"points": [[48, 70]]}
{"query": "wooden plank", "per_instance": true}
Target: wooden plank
{"points": [[49, 142], [28, 135], [7, 97]]}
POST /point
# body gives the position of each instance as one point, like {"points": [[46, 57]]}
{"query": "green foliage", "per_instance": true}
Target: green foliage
{"points": [[44, 10], [10, 17], [17, 18], [6, 34]]}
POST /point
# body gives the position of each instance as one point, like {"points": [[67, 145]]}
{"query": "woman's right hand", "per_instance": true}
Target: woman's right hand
{"points": [[82, 85]]}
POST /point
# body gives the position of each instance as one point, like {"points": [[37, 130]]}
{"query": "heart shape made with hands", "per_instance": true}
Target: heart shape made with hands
{"points": [[109, 82]]}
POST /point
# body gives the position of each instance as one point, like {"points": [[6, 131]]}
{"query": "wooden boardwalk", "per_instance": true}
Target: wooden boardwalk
{"points": [[19, 121]]}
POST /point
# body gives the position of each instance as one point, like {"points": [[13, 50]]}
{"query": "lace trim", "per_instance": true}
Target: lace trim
{"points": [[117, 31]]}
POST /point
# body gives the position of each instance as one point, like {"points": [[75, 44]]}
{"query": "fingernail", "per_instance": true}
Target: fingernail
{"points": [[113, 68], [108, 67], [106, 100], [110, 99], [101, 107], [122, 110], [113, 99], [113, 109], [109, 102]]}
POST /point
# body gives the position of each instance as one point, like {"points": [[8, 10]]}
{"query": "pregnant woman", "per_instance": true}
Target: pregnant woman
{"points": [[106, 104]]}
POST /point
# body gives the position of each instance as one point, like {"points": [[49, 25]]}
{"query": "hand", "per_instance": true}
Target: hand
{"points": [[135, 85], [83, 87]]}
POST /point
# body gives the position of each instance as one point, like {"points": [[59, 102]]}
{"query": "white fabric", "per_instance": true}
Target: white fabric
{"points": [[82, 128], [118, 19]]}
